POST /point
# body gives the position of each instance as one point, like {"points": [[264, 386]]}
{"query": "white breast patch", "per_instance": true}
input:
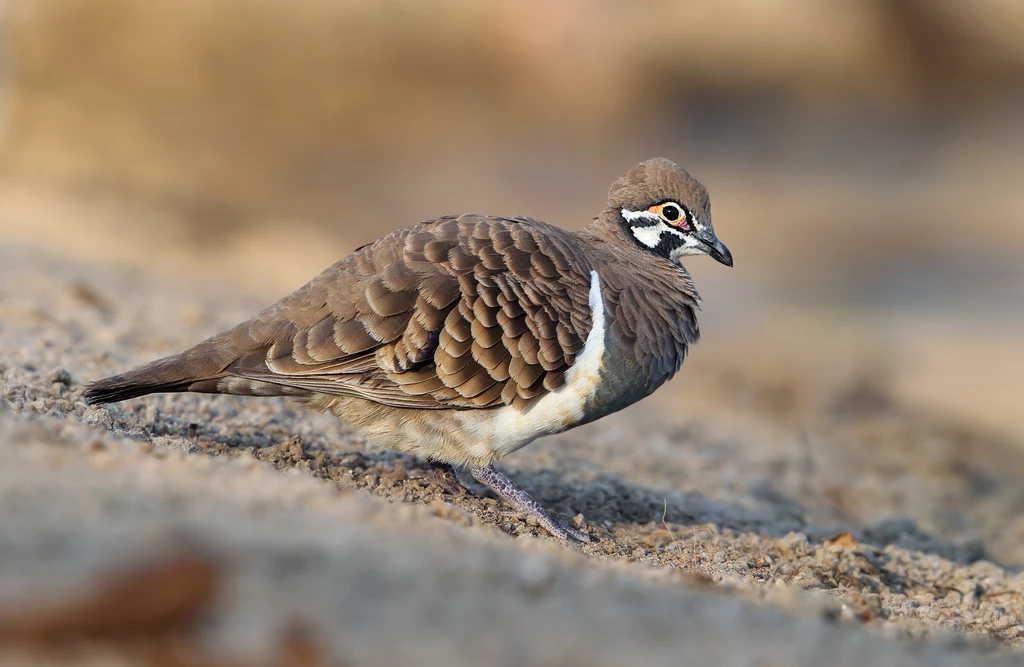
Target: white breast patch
{"points": [[558, 409]]}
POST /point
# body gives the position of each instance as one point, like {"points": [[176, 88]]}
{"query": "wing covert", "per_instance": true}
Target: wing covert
{"points": [[460, 312]]}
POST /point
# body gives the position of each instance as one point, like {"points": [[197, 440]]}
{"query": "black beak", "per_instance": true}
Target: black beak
{"points": [[715, 248]]}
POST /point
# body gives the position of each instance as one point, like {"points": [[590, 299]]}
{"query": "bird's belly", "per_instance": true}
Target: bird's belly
{"points": [[511, 429]]}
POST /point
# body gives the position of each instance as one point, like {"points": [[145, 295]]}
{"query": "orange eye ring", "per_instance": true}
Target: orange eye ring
{"points": [[672, 213]]}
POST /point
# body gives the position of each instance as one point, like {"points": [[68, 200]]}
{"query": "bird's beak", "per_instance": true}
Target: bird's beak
{"points": [[715, 248]]}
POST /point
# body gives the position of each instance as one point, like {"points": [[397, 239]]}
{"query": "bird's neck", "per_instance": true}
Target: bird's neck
{"points": [[606, 237], [608, 225], [647, 295]]}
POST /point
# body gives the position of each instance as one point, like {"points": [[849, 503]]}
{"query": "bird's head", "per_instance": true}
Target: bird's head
{"points": [[666, 211]]}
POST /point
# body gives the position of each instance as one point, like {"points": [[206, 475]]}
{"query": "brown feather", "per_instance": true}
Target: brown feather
{"points": [[436, 315]]}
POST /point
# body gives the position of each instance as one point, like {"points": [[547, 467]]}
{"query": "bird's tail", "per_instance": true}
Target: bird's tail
{"points": [[200, 369], [164, 375]]}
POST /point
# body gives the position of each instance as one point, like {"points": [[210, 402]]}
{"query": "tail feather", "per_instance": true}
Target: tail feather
{"points": [[172, 374], [197, 369], [110, 390], [202, 369]]}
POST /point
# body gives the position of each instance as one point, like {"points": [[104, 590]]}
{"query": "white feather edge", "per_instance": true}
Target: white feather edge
{"points": [[630, 216]]}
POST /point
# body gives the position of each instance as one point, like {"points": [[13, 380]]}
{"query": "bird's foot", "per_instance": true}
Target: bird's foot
{"points": [[521, 501]]}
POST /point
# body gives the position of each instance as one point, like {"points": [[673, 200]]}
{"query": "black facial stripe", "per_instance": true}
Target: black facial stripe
{"points": [[668, 241], [666, 245]]}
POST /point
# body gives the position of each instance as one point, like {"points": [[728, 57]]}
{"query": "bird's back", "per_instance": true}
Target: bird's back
{"points": [[455, 313]]}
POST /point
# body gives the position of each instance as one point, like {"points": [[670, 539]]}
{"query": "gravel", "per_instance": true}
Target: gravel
{"points": [[221, 530]]}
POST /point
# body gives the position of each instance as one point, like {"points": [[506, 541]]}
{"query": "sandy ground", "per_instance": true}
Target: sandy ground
{"points": [[738, 519]]}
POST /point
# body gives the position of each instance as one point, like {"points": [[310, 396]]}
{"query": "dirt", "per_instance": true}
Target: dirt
{"points": [[774, 520]]}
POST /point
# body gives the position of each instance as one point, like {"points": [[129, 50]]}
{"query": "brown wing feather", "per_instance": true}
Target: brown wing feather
{"points": [[459, 312]]}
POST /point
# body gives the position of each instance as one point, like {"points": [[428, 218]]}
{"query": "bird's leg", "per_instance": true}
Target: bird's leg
{"points": [[521, 501]]}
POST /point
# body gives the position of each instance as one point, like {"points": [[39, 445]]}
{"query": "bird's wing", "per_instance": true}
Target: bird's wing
{"points": [[459, 312]]}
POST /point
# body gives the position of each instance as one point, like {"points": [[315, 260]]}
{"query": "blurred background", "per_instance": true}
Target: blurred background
{"points": [[865, 157]]}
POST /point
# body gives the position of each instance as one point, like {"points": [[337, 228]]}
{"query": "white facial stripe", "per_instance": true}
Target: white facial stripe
{"points": [[690, 247], [630, 216], [651, 236]]}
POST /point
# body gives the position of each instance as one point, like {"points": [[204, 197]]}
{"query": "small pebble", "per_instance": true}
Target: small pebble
{"points": [[61, 376]]}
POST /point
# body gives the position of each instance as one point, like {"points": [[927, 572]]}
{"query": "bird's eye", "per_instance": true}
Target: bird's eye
{"points": [[672, 213]]}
